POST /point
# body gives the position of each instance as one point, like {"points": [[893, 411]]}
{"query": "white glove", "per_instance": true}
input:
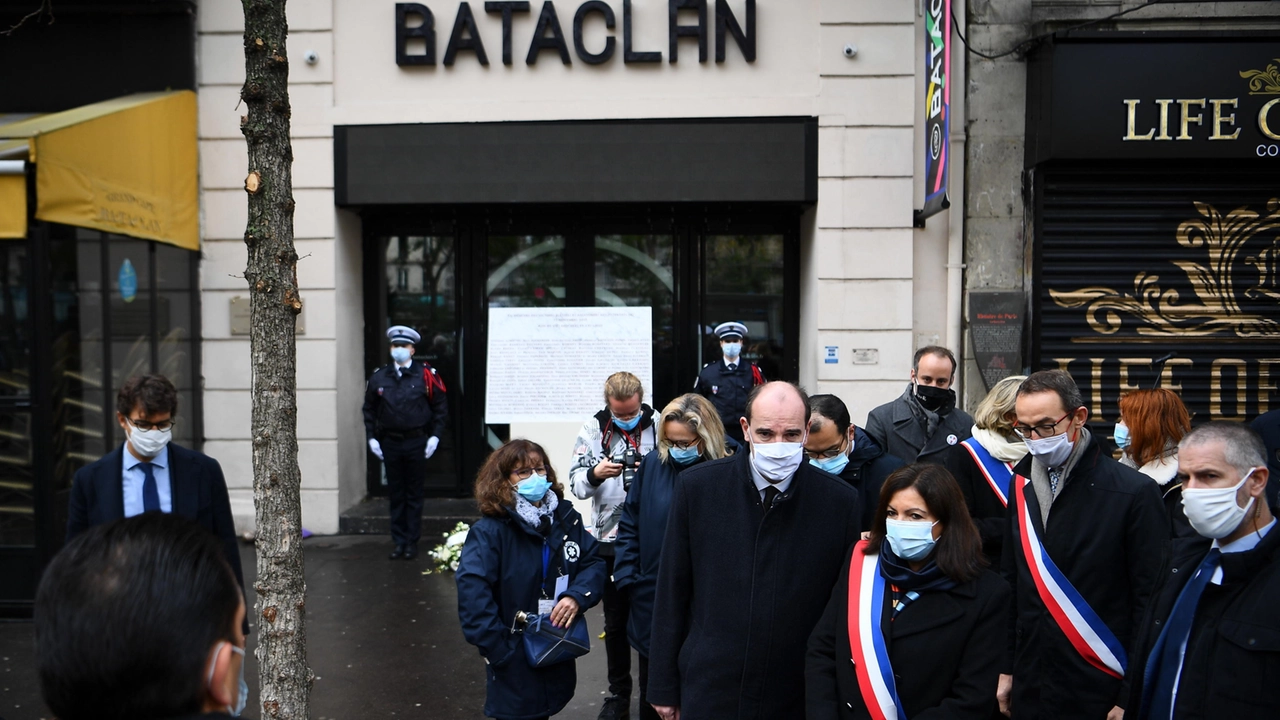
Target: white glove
{"points": [[375, 448], [432, 444]]}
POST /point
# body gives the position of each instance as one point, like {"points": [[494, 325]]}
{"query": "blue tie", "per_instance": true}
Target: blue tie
{"points": [[1166, 656], [150, 493]]}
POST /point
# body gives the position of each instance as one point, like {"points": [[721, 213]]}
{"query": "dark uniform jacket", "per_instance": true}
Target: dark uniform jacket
{"points": [[1109, 535], [945, 649], [988, 513], [1232, 662], [728, 391], [868, 466], [1268, 426], [398, 402], [500, 573], [900, 432], [740, 589]]}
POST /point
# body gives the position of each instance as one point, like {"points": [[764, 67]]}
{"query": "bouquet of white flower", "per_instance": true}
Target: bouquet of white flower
{"points": [[447, 554]]}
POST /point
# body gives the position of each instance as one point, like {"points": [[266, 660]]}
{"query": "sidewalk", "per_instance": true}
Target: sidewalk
{"points": [[383, 642]]}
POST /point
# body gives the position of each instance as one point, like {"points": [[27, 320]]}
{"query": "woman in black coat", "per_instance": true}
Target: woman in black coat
{"points": [[928, 604], [689, 431]]}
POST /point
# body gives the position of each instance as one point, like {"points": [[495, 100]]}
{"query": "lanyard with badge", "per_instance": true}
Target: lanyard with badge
{"points": [[546, 604]]}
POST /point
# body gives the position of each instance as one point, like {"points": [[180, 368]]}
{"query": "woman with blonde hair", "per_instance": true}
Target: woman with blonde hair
{"points": [[983, 464], [530, 552], [689, 432], [1152, 423]]}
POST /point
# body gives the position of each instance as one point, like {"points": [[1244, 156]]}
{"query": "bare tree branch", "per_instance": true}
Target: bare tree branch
{"points": [[45, 6]]}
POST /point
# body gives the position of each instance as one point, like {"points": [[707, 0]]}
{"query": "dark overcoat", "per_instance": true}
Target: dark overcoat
{"points": [[945, 650], [868, 467], [1232, 659], [896, 429], [1109, 535], [985, 507], [499, 574], [740, 589]]}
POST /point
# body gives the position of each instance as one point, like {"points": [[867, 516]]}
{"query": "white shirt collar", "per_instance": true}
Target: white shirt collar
{"points": [[1248, 542], [761, 483], [735, 361]]}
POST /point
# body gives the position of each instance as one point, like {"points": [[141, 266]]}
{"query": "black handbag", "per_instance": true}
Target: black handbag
{"points": [[545, 644]]}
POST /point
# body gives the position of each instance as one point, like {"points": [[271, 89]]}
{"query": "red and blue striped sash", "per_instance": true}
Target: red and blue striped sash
{"points": [[866, 638], [996, 472], [1084, 629]]}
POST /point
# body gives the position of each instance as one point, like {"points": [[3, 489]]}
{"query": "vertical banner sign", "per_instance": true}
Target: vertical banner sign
{"points": [[937, 103]]}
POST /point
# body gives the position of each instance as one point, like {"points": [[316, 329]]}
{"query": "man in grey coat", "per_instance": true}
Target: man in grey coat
{"points": [[923, 424]]}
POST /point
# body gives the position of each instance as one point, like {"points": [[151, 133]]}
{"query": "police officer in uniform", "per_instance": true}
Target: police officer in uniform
{"points": [[404, 413], [728, 382]]}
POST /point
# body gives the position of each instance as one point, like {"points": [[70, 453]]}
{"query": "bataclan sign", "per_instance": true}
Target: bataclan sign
{"points": [[416, 29]]}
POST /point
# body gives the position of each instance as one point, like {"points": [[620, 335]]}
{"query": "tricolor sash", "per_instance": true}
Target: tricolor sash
{"points": [[996, 472], [1084, 629], [866, 638]]}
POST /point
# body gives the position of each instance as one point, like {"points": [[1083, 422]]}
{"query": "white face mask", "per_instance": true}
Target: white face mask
{"points": [[1214, 512], [1051, 451], [149, 443], [777, 461]]}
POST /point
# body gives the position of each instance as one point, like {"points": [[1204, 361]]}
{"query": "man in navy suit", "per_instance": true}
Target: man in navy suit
{"points": [[148, 473]]}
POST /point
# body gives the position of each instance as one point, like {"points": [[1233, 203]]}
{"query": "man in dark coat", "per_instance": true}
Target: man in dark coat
{"points": [[149, 473], [843, 449], [753, 546], [924, 423], [727, 383], [1268, 426], [1104, 527], [1210, 647]]}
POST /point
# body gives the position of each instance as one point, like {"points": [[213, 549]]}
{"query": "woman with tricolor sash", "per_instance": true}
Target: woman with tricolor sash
{"points": [[916, 625], [983, 464]]}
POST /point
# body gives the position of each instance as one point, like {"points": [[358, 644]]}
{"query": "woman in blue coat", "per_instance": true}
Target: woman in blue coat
{"points": [[688, 431], [530, 553]]}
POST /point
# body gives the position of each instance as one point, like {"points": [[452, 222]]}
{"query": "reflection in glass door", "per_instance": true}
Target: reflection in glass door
{"points": [[637, 271], [17, 476], [744, 280]]}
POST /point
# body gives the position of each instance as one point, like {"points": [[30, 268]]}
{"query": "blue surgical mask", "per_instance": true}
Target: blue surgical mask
{"points": [[627, 425], [1122, 436], [401, 354], [834, 465], [533, 488], [684, 456], [909, 540], [731, 350]]}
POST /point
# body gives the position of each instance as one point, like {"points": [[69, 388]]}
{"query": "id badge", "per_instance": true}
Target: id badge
{"points": [[546, 606]]}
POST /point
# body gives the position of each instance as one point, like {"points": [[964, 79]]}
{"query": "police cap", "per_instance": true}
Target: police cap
{"points": [[403, 334], [730, 329]]}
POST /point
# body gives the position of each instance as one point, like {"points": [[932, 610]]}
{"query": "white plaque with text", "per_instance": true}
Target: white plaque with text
{"points": [[550, 364]]}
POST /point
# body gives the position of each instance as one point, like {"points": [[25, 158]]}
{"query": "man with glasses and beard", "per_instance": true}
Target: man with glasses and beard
{"points": [[924, 423]]}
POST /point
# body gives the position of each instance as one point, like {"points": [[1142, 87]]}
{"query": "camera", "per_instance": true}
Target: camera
{"points": [[629, 459], [850, 50]]}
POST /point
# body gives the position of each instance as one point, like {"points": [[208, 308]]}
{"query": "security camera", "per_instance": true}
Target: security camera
{"points": [[850, 50], [312, 57]]}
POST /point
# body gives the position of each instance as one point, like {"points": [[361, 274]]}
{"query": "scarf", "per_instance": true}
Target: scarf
{"points": [[927, 418], [1000, 447], [1162, 469], [1040, 475], [532, 515], [898, 572]]}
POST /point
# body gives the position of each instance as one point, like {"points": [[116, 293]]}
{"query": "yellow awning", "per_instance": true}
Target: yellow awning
{"points": [[124, 166], [13, 206]]}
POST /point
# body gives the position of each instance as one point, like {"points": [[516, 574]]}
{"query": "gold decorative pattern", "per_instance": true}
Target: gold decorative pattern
{"points": [[1218, 312], [1263, 82]]}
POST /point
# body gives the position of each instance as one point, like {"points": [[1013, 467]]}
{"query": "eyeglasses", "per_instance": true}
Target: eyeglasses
{"points": [[1041, 431], [827, 454], [684, 445], [526, 473], [144, 426]]}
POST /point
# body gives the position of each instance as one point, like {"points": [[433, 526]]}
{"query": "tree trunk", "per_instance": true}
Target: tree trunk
{"points": [[274, 304]]}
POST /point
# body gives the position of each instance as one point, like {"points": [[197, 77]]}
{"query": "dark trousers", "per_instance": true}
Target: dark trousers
{"points": [[646, 710], [617, 650], [406, 474]]}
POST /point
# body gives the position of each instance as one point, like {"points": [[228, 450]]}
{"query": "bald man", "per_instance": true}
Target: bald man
{"points": [[754, 544]]}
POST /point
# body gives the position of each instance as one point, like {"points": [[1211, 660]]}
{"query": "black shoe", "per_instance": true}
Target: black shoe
{"points": [[397, 553], [615, 708], [410, 552]]}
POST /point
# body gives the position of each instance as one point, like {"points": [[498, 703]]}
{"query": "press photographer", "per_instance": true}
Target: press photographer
{"points": [[606, 455]]}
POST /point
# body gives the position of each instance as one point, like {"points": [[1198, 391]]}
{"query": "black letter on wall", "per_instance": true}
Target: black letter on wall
{"points": [[426, 31], [465, 21], [506, 8], [676, 31], [627, 55], [548, 19], [609, 21], [725, 20]]}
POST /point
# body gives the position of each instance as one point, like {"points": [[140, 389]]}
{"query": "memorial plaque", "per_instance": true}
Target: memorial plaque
{"points": [[995, 327]]}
